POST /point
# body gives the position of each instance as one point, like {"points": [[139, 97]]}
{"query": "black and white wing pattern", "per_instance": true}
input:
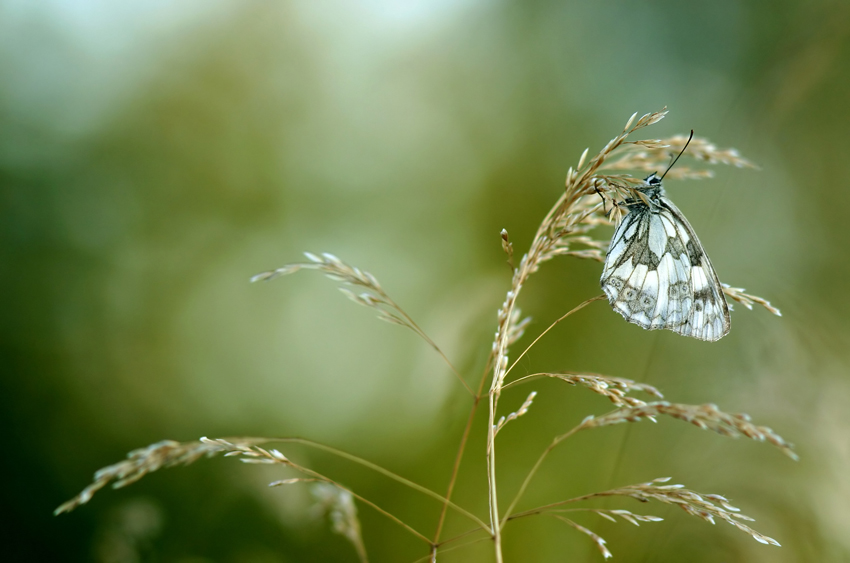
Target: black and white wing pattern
{"points": [[657, 274]]}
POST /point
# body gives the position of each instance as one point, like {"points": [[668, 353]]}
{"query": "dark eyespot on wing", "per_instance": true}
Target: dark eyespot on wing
{"points": [[612, 287], [678, 290], [646, 302], [628, 294]]}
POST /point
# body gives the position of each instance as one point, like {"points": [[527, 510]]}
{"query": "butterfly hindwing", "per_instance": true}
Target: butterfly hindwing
{"points": [[709, 316], [657, 275]]}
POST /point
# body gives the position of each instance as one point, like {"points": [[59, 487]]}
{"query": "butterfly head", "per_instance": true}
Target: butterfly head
{"points": [[653, 186]]}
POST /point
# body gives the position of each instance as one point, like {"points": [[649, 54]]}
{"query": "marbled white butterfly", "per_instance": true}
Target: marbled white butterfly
{"points": [[657, 274]]}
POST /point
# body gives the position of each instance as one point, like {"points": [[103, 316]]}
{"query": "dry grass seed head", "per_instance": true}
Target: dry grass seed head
{"points": [[142, 461], [706, 417], [705, 506], [747, 300], [614, 389], [523, 409]]}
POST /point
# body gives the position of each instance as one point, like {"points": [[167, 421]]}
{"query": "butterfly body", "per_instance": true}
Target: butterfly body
{"points": [[656, 273]]}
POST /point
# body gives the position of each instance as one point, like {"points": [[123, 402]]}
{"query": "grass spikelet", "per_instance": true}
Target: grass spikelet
{"points": [[747, 300], [142, 461]]}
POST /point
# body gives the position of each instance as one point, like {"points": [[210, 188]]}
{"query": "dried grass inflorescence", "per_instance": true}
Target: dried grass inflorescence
{"points": [[747, 300], [706, 506], [374, 295], [706, 417], [653, 155], [523, 409], [339, 506], [589, 200], [616, 389], [142, 461], [626, 515]]}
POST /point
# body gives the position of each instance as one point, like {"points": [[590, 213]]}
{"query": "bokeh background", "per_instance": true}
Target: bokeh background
{"points": [[154, 155]]}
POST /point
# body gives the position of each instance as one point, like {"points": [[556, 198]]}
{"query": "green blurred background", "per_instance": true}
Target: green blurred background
{"points": [[154, 155]]}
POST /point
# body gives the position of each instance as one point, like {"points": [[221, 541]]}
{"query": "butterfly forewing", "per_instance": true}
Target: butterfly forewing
{"points": [[657, 274]]}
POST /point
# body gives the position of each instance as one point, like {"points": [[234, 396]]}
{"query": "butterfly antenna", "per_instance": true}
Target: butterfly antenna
{"points": [[677, 158]]}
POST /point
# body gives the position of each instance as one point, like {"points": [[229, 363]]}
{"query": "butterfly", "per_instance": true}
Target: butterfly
{"points": [[657, 274]]}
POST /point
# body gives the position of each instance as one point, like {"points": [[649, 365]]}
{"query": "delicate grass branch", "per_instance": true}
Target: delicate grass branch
{"points": [[575, 309], [340, 508], [600, 543], [462, 446], [614, 388], [142, 461], [385, 472], [258, 455], [705, 506], [609, 514], [518, 413], [373, 297], [169, 453], [631, 517], [453, 548], [705, 417], [747, 300], [533, 471]]}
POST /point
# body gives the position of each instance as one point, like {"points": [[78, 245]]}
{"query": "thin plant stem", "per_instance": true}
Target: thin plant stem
{"points": [[551, 326], [362, 499], [461, 536], [459, 457], [532, 512], [453, 479], [467, 544], [531, 473], [433, 344], [521, 274], [545, 507], [386, 473], [526, 379], [495, 524]]}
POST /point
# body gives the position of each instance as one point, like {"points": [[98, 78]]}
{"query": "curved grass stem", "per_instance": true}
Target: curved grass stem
{"points": [[431, 343], [362, 499], [575, 309], [533, 471], [385, 472], [459, 457]]}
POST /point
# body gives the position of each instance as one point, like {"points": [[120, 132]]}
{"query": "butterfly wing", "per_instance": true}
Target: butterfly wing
{"points": [[709, 317], [657, 275]]}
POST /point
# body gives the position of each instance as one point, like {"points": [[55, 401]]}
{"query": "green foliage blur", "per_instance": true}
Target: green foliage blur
{"points": [[155, 155]]}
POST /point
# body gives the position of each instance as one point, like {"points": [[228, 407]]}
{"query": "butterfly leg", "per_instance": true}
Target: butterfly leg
{"points": [[614, 203], [602, 197]]}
